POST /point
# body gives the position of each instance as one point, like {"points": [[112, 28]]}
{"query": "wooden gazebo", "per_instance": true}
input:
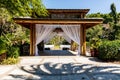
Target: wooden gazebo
{"points": [[61, 17]]}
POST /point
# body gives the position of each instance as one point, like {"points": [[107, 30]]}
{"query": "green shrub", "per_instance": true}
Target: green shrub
{"points": [[109, 50], [10, 61], [2, 47], [118, 43], [94, 43], [13, 52]]}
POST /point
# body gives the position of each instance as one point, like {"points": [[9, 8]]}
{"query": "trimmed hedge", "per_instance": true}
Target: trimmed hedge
{"points": [[109, 50]]}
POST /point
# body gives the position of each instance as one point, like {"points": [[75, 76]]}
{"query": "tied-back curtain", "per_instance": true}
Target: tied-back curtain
{"points": [[73, 32], [49, 37], [66, 37], [42, 32]]}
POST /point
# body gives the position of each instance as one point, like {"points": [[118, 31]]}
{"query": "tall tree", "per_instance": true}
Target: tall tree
{"points": [[24, 7], [113, 13], [115, 25]]}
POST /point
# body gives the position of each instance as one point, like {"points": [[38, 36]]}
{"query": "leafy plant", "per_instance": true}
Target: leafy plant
{"points": [[2, 47], [24, 7], [109, 50], [10, 61], [94, 32], [13, 52], [57, 40], [95, 43], [74, 46]]}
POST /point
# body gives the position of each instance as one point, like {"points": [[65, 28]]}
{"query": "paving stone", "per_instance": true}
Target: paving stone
{"points": [[29, 61], [106, 77], [75, 77], [61, 68], [4, 69], [21, 77]]}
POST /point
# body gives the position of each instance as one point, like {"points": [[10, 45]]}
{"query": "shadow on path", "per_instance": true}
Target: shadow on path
{"points": [[70, 71]]}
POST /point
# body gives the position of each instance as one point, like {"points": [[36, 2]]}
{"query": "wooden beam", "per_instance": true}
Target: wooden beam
{"points": [[57, 21]]}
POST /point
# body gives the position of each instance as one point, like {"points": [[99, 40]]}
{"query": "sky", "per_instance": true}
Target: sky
{"points": [[95, 6]]}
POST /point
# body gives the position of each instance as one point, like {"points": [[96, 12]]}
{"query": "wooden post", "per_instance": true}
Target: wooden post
{"points": [[32, 40], [84, 40], [81, 40]]}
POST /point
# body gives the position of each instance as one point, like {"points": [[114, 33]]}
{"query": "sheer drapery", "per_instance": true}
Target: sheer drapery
{"points": [[66, 37], [42, 32], [49, 37], [73, 32]]}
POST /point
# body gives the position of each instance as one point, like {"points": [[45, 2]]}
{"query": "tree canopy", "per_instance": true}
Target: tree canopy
{"points": [[111, 27], [24, 7]]}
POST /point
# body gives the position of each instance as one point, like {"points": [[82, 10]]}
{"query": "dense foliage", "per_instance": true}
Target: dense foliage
{"points": [[13, 52], [94, 32], [24, 7], [57, 40], [10, 61], [109, 50], [2, 47], [12, 35], [107, 33], [110, 29]]}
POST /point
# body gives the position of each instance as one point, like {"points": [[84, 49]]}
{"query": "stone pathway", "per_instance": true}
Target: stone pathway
{"points": [[60, 68]]}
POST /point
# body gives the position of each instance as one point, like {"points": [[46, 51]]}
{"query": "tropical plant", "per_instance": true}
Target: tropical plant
{"points": [[2, 47], [94, 32], [112, 30], [74, 46], [115, 27], [109, 50], [113, 13], [57, 40], [13, 52], [24, 7], [10, 61], [95, 43]]}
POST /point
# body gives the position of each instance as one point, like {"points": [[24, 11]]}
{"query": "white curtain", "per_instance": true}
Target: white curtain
{"points": [[66, 38], [49, 37], [42, 32], [73, 32]]}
